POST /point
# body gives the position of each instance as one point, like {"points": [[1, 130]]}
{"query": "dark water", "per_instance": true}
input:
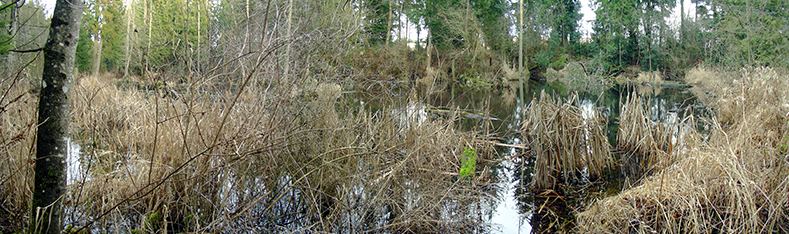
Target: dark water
{"points": [[519, 210]]}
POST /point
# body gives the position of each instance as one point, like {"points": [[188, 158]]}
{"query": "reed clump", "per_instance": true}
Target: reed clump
{"points": [[736, 181], [651, 143], [565, 142], [709, 84]]}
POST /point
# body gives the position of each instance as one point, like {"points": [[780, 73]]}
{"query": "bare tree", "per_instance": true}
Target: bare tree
{"points": [[51, 149]]}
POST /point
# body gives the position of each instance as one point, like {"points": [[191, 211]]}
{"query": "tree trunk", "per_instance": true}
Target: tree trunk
{"points": [[287, 47], [149, 8], [400, 24], [520, 39], [389, 24], [11, 65], [681, 22], [129, 28], [97, 59], [199, 37], [520, 50], [46, 214]]}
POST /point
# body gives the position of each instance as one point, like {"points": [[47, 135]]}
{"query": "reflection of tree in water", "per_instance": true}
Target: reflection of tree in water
{"points": [[553, 210]]}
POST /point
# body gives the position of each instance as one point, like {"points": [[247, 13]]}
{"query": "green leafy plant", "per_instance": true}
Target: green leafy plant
{"points": [[155, 220], [469, 162]]}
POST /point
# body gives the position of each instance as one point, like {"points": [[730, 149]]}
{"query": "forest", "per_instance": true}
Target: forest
{"points": [[394, 116]]}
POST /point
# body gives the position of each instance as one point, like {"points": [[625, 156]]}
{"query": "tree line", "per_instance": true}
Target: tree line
{"points": [[133, 36]]}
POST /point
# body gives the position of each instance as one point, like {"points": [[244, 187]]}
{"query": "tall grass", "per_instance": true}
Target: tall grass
{"points": [[735, 182], [564, 141], [649, 142], [17, 150], [283, 160]]}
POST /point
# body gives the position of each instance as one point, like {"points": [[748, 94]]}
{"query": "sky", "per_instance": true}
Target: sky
{"points": [[588, 17], [49, 5]]}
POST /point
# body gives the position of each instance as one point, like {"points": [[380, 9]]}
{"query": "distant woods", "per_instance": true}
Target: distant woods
{"points": [[185, 37]]}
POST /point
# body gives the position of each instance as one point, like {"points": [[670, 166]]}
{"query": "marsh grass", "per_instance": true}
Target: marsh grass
{"points": [[17, 150], [649, 143], [565, 142], [273, 159], [734, 182]]}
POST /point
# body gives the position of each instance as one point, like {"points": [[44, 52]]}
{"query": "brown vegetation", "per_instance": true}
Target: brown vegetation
{"points": [[651, 143], [734, 182], [564, 141], [575, 77], [252, 160]]}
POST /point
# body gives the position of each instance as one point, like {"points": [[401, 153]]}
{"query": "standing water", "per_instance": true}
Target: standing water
{"points": [[519, 209]]}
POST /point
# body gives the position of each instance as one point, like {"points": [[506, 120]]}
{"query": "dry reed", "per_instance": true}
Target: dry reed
{"points": [[648, 83], [280, 162], [735, 182], [565, 142], [651, 143], [17, 150]]}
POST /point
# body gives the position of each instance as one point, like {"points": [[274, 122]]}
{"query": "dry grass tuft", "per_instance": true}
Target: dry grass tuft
{"points": [[736, 182], [648, 83], [709, 84], [652, 143], [565, 142], [653, 77]]}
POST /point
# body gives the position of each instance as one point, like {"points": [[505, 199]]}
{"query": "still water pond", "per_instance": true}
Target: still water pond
{"points": [[517, 208], [499, 113]]}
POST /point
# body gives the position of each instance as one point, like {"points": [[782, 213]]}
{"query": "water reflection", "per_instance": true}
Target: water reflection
{"points": [[521, 210], [75, 173], [516, 208]]}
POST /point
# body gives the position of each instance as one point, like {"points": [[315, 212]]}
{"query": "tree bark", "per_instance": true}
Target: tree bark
{"points": [[12, 58], [389, 25], [681, 22], [53, 112], [520, 50], [97, 59], [287, 48], [129, 31]]}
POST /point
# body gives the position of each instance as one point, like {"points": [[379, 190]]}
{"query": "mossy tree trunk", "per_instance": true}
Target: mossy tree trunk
{"points": [[51, 149]]}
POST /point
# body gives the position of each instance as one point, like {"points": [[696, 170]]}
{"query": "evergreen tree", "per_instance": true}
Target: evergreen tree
{"points": [[5, 21], [378, 15], [112, 34], [494, 22]]}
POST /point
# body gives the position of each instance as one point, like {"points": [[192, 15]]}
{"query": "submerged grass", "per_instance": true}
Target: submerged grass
{"points": [[736, 181], [566, 142]]}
